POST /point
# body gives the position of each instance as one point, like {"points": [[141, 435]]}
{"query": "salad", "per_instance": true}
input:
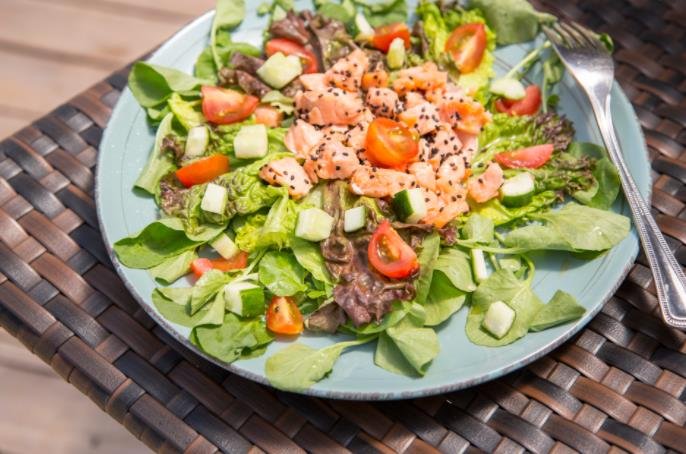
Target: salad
{"points": [[361, 175]]}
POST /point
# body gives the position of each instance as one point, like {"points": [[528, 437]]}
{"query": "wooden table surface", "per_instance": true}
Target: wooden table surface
{"points": [[50, 50]]}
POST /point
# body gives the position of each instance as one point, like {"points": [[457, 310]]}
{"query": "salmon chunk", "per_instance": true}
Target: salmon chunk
{"points": [[484, 187], [334, 160], [413, 98], [436, 147], [451, 173], [378, 182], [288, 173], [425, 77], [383, 102], [314, 81], [424, 174], [347, 72], [422, 117], [331, 107], [301, 138]]}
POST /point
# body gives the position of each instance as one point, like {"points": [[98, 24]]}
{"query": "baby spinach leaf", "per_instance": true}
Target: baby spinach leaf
{"points": [[299, 366], [514, 21], [154, 244], [478, 228], [187, 113], [427, 258], [207, 287], [205, 68], [159, 163], [152, 84], [388, 356], [228, 14], [280, 272], [502, 285], [174, 267], [173, 304], [233, 339], [443, 301], [384, 12], [606, 186], [417, 345], [561, 308], [456, 266], [309, 256], [500, 214]]}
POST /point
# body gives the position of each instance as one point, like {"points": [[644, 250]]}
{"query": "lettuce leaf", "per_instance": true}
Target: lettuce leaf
{"points": [[159, 163]]}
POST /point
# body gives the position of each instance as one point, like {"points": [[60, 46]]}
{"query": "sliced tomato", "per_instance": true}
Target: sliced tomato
{"points": [[224, 106], [284, 317], [466, 46], [203, 170], [389, 254], [268, 115], [384, 35], [288, 47], [526, 158], [390, 143], [202, 265], [375, 79], [528, 105]]}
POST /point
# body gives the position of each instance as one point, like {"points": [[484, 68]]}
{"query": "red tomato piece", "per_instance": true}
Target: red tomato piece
{"points": [[268, 115], [384, 35], [203, 170], [202, 265], [466, 46], [389, 254], [284, 317], [526, 158], [288, 47], [224, 106], [390, 143], [528, 105]]}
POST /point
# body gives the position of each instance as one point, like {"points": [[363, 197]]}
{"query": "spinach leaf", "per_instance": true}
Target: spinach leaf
{"points": [[187, 113], [343, 12], [389, 357], [174, 267], [427, 258], [299, 366], [234, 338], [456, 266], [478, 228], [152, 84], [205, 68], [417, 346], [280, 272], [159, 163], [574, 228], [561, 308], [384, 12], [309, 256], [443, 301], [500, 214], [154, 244], [398, 312], [206, 288], [228, 14], [514, 21], [502, 285], [606, 178], [173, 304]]}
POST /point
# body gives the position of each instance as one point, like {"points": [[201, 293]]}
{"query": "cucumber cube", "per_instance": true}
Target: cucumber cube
{"points": [[396, 54], [279, 70], [314, 225], [244, 298], [251, 142], [409, 205], [215, 198], [508, 87], [196, 143], [354, 218], [478, 265], [225, 246], [499, 318]]}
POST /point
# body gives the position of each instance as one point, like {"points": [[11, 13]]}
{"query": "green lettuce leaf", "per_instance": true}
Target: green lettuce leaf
{"points": [[152, 84], [427, 259], [514, 21], [500, 214], [456, 266], [205, 67], [228, 14], [187, 113], [309, 256], [234, 338], [443, 301], [174, 305], [206, 288], [281, 273], [159, 163], [478, 228], [173, 268], [383, 12], [407, 349], [562, 308]]}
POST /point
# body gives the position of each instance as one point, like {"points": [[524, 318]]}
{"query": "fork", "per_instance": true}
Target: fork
{"points": [[587, 59]]}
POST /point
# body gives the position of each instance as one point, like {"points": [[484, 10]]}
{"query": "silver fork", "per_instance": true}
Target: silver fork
{"points": [[590, 63]]}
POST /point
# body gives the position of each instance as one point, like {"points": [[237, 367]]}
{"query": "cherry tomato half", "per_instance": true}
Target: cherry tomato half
{"points": [[466, 46], [526, 158], [284, 317], [384, 35], [528, 105], [390, 143], [288, 47], [223, 106], [389, 254], [203, 170], [202, 265]]}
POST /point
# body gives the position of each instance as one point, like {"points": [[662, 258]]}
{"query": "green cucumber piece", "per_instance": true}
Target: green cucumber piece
{"points": [[251, 142], [478, 265], [498, 319], [354, 218], [364, 29], [396, 54], [409, 205], [215, 198], [314, 224], [196, 143], [518, 190], [224, 246], [508, 88], [244, 298], [279, 70]]}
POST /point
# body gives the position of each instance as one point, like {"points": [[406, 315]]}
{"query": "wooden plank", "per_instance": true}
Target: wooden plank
{"points": [[96, 35], [10, 124], [169, 10]]}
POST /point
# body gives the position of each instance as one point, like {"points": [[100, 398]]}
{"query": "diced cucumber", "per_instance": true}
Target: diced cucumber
{"points": [[518, 190], [498, 319], [409, 205], [364, 29], [478, 265], [508, 88], [196, 143], [279, 13], [244, 298], [354, 218], [215, 198], [251, 142], [396, 54], [224, 246], [314, 225], [279, 70]]}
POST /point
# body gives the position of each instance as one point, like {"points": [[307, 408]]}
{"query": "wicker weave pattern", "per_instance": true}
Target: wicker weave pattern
{"points": [[619, 385]]}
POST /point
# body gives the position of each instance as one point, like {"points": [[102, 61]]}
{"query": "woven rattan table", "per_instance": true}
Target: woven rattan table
{"points": [[619, 385]]}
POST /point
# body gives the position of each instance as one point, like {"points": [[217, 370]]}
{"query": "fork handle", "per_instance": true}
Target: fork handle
{"points": [[667, 273]]}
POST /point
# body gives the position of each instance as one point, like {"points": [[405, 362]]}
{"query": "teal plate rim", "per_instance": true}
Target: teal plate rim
{"points": [[125, 97]]}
